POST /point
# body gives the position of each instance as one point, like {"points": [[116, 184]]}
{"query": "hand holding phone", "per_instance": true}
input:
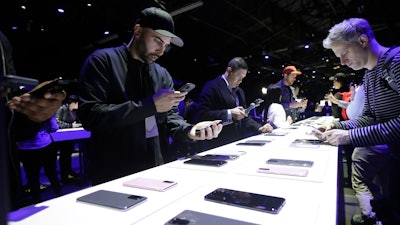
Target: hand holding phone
{"points": [[203, 125], [314, 130]]}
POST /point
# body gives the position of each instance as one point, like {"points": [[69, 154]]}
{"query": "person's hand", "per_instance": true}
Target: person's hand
{"points": [[333, 99], [325, 127], [165, 99], [289, 120], [35, 108], [238, 113], [267, 128], [205, 130], [75, 125], [337, 137], [303, 103]]}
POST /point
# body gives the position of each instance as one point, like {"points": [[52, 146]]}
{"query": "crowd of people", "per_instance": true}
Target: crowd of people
{"points": [[129, 104]]}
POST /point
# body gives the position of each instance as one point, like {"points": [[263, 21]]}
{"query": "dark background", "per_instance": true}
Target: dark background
{"points": [[50, 44]]}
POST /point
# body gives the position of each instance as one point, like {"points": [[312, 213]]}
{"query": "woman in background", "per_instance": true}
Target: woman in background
{"points": [[276, 115]]}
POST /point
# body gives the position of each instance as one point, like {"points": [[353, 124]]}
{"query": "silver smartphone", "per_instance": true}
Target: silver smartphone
{"points": [[284, 170], [190, 217], [290, 162], [111, 199]]}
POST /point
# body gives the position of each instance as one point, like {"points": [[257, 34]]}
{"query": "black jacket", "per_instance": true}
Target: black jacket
{"points": [[113, 106], [214, 101]]}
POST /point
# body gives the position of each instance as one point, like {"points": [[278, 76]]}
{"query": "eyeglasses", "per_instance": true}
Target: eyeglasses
{"points": [[161, 44]]}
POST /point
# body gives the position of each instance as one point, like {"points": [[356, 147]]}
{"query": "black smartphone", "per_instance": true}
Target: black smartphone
{"points": [[254, 142], [187, 87], [251, 144], [248, 200], [216, 157], [54, 86], [206, 162], [290, 162]]}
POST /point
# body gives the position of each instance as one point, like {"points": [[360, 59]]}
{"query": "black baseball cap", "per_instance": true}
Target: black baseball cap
{"points": [[161, 22]]}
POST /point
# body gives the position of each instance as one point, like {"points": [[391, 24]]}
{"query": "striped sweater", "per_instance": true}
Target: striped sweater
{"points": [[380, 121]]}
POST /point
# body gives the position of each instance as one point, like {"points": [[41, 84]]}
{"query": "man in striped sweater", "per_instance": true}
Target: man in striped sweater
{"points": [[375, 134]]}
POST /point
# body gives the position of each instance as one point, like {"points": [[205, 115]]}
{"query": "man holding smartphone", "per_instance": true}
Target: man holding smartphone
{"points": [[128, 102], [223, 99], [25, 115]]}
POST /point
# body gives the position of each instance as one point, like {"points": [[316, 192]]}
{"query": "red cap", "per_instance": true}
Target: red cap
{"points": [[291, 69]]}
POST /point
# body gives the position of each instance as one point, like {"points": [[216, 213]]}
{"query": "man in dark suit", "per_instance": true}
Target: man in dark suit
{"points": [[223, 99]]}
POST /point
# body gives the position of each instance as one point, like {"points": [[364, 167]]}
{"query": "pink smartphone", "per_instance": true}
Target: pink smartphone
{"points": [[290, 171], [150, 184]]}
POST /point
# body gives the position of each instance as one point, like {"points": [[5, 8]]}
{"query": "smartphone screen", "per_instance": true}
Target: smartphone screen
{"points": [[206, 162], [290, 162], [259, 202]]}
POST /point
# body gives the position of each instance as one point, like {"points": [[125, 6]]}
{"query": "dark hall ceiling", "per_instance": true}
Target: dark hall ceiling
{"points": [[48, 43]]}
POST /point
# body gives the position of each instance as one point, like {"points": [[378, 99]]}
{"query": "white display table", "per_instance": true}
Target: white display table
{"points": [[309, 200]]}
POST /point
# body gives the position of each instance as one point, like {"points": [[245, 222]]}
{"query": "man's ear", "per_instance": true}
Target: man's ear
{"points": [[363, 40], [229, 70], [137, 30]]}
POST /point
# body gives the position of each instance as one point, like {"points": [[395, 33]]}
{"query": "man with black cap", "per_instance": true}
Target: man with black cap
{"points": [[128, 102], [292, 107]]}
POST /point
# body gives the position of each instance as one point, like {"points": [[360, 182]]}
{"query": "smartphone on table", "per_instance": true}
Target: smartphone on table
{"points": [[112, 199], [283, 170], [150, 184], [290, 162], [190, 217], [254, 142], [216, 157], [248, 200], [206, 162]]}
